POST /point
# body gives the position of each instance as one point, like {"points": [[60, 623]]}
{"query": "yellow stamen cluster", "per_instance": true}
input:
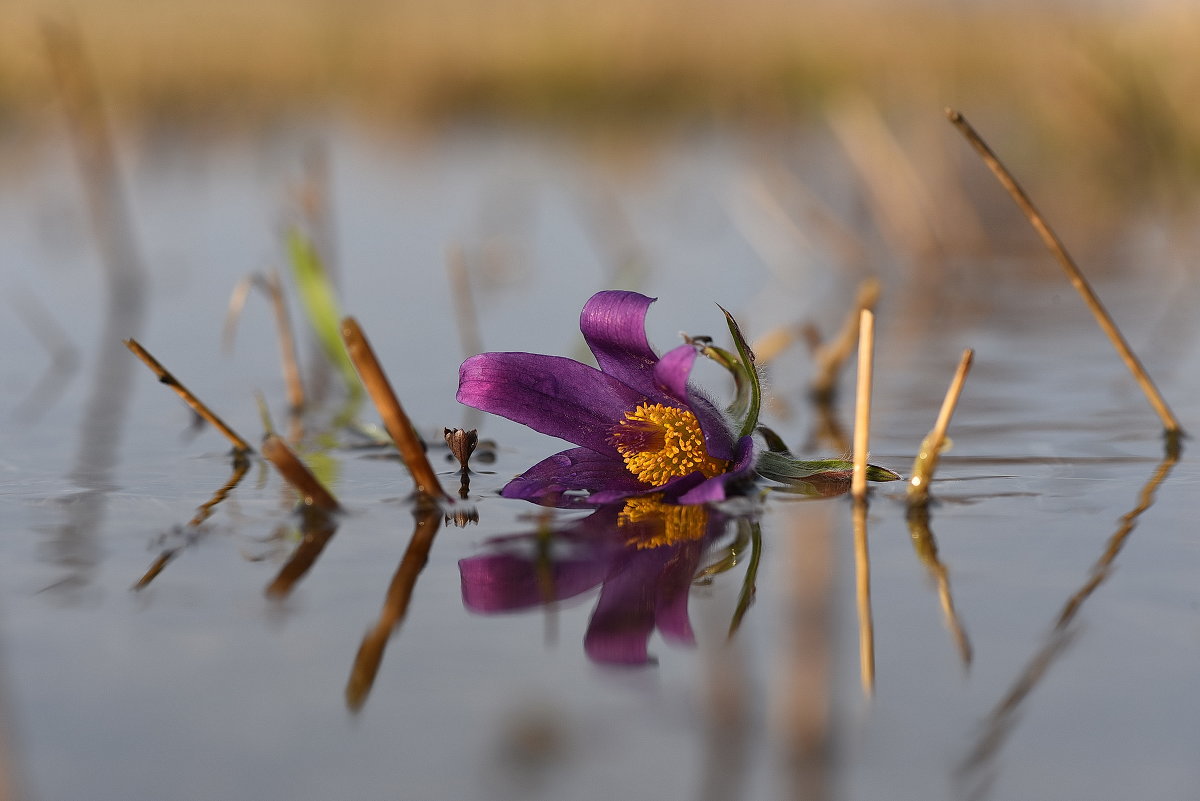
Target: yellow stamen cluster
{"points": [[662, 524], [659, 443]]}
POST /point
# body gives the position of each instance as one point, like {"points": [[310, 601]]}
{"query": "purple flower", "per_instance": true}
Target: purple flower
{"points": [[643, 554], [639, 427]]}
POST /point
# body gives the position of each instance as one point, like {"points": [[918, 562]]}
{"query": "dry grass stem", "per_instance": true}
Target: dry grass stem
{"points": [[395, 420], [862, 405], [1056, 247], [395, 607], [931, 447], [240, 445], [296, 473], [830, 357]]}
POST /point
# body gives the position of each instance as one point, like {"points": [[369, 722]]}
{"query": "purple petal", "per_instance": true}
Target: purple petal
{"points": [[715, 488], [671, 376], [505, 582], [572, 471], [614, 326], [550, 394]]}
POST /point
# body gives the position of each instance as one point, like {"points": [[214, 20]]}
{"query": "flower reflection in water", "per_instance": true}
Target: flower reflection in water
{"points": [[643, 554]]}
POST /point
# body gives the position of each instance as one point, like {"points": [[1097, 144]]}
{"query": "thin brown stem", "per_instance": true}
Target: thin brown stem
{"points": [[164, 376], [1074, 274], [931, 448], [862, 406], [395, 420], [296, 473]]}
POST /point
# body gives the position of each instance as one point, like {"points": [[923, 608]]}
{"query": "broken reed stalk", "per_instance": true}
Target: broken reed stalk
{"points": [[296, 473], [240, 446], [931, 447], [395, 420], [862, 406], [1171, 425]]}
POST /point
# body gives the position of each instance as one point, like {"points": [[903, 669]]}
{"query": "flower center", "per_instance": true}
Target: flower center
{"points": [[660, 524], [659, 443]]}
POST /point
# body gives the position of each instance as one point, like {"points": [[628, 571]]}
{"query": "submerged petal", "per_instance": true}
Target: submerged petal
{"points": [[550, 394]]}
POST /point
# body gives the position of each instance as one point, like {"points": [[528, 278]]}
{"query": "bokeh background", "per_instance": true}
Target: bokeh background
{"points": [[764, 154]]}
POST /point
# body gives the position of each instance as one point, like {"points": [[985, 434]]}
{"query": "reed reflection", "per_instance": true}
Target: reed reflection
{"points": [[979, 769], [643, 554]]}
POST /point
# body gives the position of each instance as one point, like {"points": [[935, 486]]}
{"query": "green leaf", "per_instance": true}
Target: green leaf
{"points": [[786, 470], [749, 372], [320, 305]]}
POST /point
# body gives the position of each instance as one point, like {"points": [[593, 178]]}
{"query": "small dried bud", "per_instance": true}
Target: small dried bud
{"points": [[462, 444]]}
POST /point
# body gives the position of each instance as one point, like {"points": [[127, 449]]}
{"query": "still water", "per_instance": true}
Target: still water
{"points": [[1044, 643]]}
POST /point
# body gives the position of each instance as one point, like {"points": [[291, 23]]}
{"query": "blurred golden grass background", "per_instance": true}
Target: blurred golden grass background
{"points": [[1101, 97]]}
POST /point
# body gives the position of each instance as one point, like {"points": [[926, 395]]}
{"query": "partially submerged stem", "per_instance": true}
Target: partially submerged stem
{"points": [[1074, 274], [862, 406], [296, 473], [240, 445], [395, 420], [931, 447]]}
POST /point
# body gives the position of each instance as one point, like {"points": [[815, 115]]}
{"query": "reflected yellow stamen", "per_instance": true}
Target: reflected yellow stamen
{"points": [[662, 524], [659, 443]]}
